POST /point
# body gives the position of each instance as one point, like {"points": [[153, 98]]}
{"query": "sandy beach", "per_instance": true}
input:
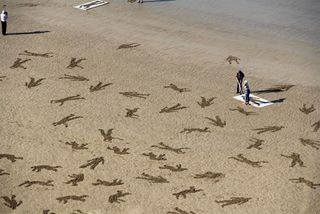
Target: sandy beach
{"points": [[129, 148]]}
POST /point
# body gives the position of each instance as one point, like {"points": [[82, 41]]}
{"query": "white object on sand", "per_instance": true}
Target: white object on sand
{"points": [[90, 5], [255, 101]]}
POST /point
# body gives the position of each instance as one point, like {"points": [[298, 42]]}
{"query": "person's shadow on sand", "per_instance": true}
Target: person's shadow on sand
{"points": [[26, 33]]}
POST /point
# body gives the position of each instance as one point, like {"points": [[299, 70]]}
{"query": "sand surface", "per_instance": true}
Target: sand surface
{"points": [[172, 51]]}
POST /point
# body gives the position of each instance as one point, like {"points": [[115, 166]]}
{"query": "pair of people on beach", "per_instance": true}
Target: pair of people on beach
{"points": [[4, 17], [243, 90]]}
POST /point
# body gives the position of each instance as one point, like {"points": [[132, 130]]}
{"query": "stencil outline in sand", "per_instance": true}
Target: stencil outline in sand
{"points": [[255, 101]]}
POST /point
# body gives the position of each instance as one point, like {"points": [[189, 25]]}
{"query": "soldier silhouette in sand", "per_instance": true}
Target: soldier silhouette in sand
{"points": [[306, 110], [11, 202], [118, 151], [10, 157], [189, 130], [64, 121], [74, 78], [70, 98], [18, 63], [66, 199], [217, 122], [28, 53], [33, 82], [176, 88], [152, 156], [268, 129], [99, 87], [114, 182], [295, 159], [177, 210], [206, 102], [233, 200], [312, 143], [46, 167], [77, 146], [243, 159], [76, 178], [256, 143], [75, 63], [131, 113], [116, 198], [93, 163], [316, 126], [305, 181], [184, 193], [128, 46], [2, 172], [41, 183], [177, 168], [108, 136], [169, 148], [232, 58], [174, 108], [153, 179]]}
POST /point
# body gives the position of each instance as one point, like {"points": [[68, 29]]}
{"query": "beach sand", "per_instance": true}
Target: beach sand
{"points": [[172, 51]]}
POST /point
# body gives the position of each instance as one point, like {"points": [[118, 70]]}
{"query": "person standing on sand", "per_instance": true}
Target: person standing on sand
{"points": [[4, 17], [239, 76], [246, 92]]}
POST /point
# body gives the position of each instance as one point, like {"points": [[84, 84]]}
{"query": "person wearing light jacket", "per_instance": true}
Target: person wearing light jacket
{"points": [[4, 17]]}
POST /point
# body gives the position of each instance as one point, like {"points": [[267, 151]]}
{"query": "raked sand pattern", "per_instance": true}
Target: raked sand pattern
{"points": [[113, 129]]}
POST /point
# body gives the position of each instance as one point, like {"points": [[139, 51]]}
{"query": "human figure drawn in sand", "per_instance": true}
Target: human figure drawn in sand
{"points": [[177, 168], [27, 5], [256, 143], [301, 180], [65, 199], [132, 113], [74, 78], [116, 198], [108, 136], [176, 88], [215, 176], [190, 130], [76, 178], [316, 126], [296, 159], [2, 172], [39, 168], [312, 143], [233, 58], [118, 151], [169, 148], [75, 63], [152, 179], [307, 110], [34, 83], [47, 212], [18, 63], [99, 87], [93, 163], [243, 159], [77, 212], [206, 102], [70, 98], [177, 210], [74, 145], [283, 87], [268, 129], [132, 94], [233, 201], [217, 122], [128, 46], [184, 193], [2, 78], [10, 157], [64, 121], [152, 156], [174, 108], [11, 202], [115, 182], [41, 183], [243, 111], [29, 53]]}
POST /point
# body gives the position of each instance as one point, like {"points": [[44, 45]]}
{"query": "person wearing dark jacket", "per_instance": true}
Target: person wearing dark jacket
{"points": [[240, 77]]}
